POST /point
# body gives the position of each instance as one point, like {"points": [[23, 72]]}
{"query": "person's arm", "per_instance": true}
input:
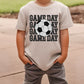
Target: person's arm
{"points": [[64, 39], [65, 22], [20, 46]]}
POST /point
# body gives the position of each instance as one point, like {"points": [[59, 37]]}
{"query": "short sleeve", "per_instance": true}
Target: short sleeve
{"points": [[65, 19], [21, 23]]}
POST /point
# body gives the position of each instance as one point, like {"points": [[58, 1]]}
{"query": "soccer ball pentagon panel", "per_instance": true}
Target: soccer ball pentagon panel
{"points": [[43, 27]]}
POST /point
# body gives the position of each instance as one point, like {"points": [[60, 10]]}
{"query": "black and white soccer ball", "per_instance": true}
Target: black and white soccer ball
{"points": [[43, 27]]}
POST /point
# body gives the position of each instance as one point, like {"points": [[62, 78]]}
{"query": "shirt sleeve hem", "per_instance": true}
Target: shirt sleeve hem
{"points": [[66, 27], [19, 28]]}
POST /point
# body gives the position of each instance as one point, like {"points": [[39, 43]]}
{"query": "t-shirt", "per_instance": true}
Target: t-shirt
{"points": [[42, 25]]}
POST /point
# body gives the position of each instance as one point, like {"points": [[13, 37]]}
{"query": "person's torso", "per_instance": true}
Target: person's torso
{"points": [[42, 38]]}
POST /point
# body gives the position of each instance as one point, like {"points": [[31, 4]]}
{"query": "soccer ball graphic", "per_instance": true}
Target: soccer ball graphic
{"points": [[43, 27]]}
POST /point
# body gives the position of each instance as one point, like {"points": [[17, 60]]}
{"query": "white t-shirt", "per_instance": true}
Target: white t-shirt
{"points": [[42, 26]]}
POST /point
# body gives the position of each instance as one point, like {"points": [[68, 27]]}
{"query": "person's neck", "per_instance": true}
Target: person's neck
{"points": [[43, 2]]}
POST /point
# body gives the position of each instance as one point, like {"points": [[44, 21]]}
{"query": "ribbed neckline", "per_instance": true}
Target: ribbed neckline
{"points": [[44, 7]]}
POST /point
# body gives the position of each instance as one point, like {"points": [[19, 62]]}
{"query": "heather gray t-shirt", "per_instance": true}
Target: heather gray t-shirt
{"points": [[42, 26]]}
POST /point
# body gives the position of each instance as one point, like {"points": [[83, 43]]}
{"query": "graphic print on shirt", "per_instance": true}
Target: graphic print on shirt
{"points": [[43, 27]]}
